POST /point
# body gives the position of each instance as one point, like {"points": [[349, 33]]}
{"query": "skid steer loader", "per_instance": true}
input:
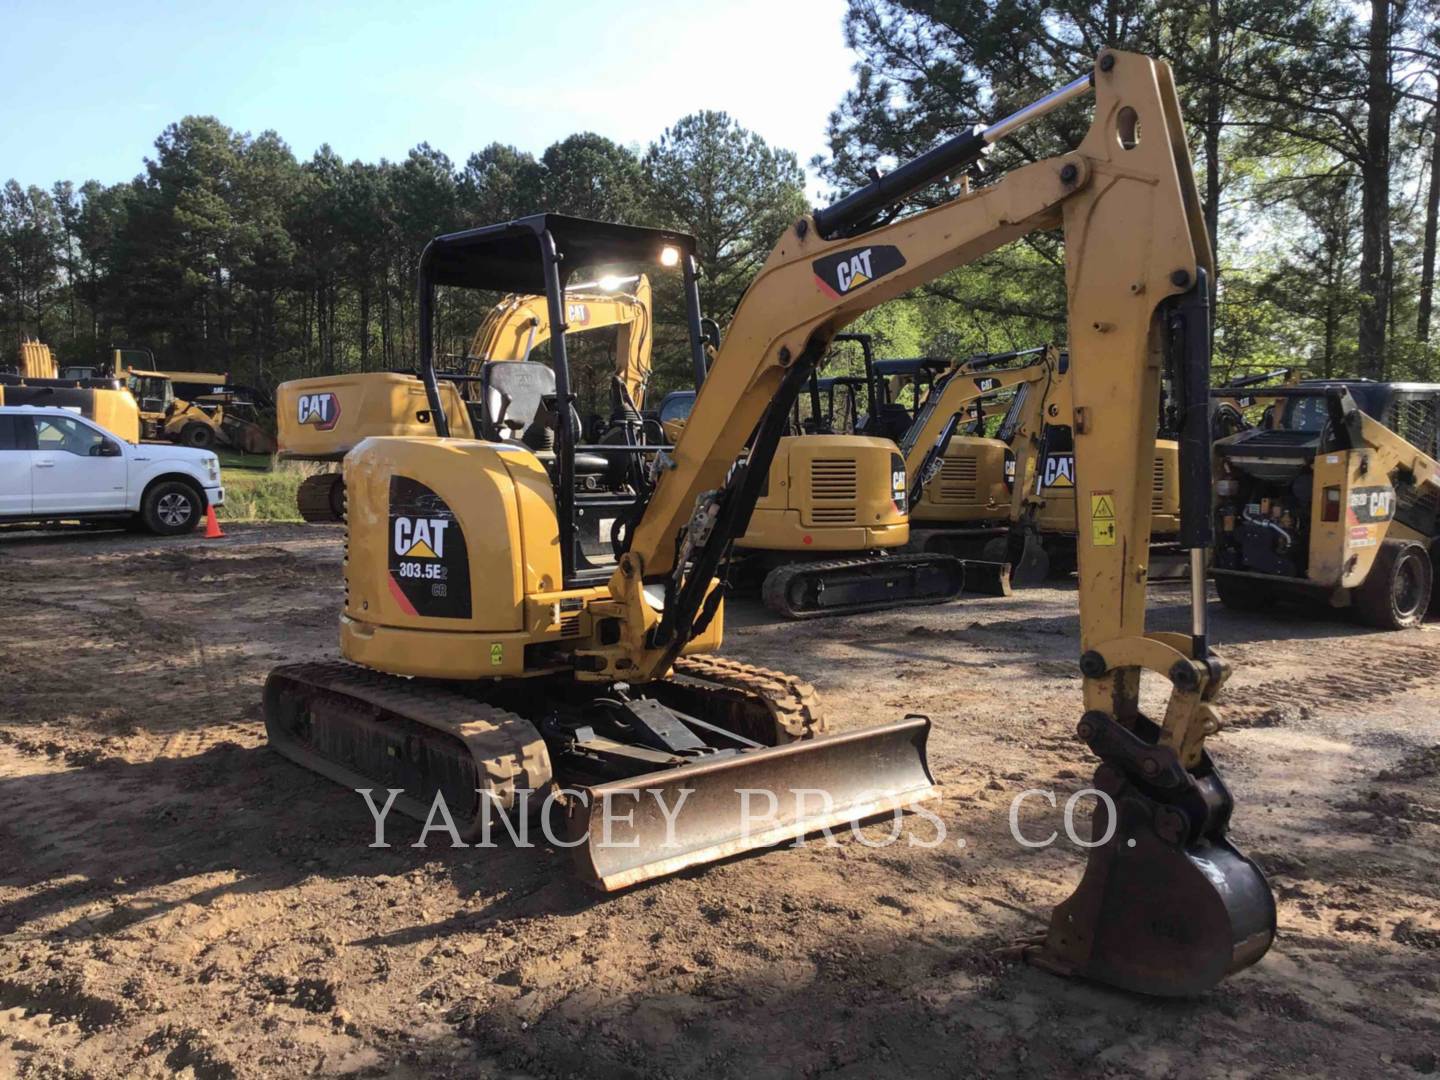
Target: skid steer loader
{"points": [[489, 657], [1337, 502]]}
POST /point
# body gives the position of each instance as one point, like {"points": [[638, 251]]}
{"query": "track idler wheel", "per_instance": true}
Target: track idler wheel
{"points": [[1157, 911]]}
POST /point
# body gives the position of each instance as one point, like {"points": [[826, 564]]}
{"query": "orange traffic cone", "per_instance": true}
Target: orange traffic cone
{"points": [[212, 524]]}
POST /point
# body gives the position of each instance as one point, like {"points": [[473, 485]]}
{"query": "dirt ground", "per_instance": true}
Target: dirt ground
{"points": [[175, 898]]}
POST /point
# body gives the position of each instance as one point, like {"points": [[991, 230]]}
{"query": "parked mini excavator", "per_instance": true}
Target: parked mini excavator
{"points": [[962, 480], [1338, 501], [321, 419], [489, 658], [1045, 526]]}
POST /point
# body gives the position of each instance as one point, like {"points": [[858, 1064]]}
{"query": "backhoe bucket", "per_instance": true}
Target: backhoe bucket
{"points": [[983, 578], [1155, 915], [1031, 566], [657, 824]]}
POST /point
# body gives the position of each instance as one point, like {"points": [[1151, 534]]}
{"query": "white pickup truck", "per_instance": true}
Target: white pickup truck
{"points": [[55, 465]]}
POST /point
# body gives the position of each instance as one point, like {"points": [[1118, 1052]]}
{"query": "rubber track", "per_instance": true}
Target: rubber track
{"points": [[314, 499], [792, 701], [506, 749], [774, 593]]}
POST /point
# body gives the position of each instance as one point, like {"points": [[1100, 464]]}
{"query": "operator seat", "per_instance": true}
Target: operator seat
{"points": [[514, 406]]}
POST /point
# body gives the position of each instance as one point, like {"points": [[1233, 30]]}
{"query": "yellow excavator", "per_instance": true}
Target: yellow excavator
{"points": [[323, 418], [37, 381], [1045, 528], [489, 659], [963, 480], [1010, 497], [1241, 403]]}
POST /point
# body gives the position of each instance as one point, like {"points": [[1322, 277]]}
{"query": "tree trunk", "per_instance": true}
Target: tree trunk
{"points": [[1432, 211], [1375, 198], [365, 323], [1212, 141]]}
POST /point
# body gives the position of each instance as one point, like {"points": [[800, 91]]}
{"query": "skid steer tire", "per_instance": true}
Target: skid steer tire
{"points": [[1396, 593], [1243, 594]]}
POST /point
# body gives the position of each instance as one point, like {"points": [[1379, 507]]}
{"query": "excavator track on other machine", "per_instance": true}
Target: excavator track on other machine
{"points": [[805, 590]]}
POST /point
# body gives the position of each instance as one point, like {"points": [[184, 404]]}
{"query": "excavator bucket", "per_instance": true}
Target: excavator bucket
{"points": [[630, 831], [1031, 564], [984, 578], [1156, 915]]}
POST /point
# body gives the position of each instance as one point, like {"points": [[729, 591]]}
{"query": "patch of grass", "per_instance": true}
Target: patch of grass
{"points": [[253, 494], [234, 459]]}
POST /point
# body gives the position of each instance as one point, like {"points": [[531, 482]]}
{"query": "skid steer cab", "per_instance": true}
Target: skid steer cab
{"points": [[1336, 502]]}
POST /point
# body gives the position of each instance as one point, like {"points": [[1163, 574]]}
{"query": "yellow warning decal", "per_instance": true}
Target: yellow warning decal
{"points": [[497, 654], [1102, 518]]}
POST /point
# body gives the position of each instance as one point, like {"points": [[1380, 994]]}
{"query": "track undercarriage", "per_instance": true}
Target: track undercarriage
{"points": [[718, 759], [846, 586]]}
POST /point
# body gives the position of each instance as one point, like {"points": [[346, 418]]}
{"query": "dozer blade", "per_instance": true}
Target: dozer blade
{"points": [[1155, 915], [657, 824]]}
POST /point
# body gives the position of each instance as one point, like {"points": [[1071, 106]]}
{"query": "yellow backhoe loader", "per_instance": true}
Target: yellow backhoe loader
{"points": [[489, 658], [37, 381], [202, 409], [1337, 502], [323, 418]]}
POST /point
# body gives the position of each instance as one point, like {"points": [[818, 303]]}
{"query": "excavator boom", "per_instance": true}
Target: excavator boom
{"points": [[1137, 263]]}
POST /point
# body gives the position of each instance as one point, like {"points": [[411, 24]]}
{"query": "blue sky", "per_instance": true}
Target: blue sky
{"points": [[88, 86]]}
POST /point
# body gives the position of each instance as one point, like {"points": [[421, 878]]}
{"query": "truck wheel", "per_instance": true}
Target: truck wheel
{"points": [[171, 508], [1243, 593], [1396, 592], [199, 436]]}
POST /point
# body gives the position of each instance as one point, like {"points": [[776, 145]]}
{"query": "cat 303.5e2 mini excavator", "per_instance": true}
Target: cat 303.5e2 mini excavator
{"points": [[536, 668]]}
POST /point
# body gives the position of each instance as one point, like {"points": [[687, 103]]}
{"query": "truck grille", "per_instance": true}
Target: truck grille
{"points": [[957, 482], [1157, 487]]}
